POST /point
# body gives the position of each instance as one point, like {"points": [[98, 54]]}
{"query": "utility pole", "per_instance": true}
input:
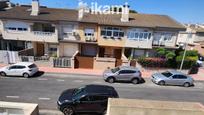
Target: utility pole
{"points": [[184, 54]]}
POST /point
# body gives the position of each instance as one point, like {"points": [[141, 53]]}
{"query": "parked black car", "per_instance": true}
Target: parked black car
{"points": [[86, 99]]}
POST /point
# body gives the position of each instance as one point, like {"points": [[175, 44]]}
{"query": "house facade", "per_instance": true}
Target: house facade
{"points": [[193, 36], [92, 40]]}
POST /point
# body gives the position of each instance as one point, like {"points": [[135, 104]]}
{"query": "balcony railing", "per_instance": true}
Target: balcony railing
{"points": [[71, 36], [40, 33], [90, 39], [158, 43]]}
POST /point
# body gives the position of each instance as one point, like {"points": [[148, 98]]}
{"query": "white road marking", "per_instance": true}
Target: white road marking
{"points": [[22, 78], [14, 97], [60, 80], [5, 77], [42, 79], [42, 98], [78, 81]]}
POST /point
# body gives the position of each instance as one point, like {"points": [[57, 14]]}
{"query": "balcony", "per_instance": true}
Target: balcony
{"points": [[40, 33], [158, 43], [90, 39], [71, 36]]}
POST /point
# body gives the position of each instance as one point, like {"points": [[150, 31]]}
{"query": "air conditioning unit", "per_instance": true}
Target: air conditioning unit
{"points": [[75, 33], [88, 38]]}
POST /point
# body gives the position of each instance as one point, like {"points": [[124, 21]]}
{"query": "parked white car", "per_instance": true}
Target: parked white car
{"points": [[25, 69]]}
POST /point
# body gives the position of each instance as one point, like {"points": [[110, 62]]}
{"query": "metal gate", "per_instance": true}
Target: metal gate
{"points": [[8, 57], [62, 62]]}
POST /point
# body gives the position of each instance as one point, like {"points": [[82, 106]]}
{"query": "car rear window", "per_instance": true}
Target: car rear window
{"points": [[32, 66], [167, 74]]}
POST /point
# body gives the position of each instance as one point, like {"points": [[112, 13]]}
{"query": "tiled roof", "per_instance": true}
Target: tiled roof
{"points": [[52, 14]]}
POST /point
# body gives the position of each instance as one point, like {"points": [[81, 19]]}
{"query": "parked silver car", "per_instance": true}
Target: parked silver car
{"points": [[25, 69], [172, 78], [123, 73]]}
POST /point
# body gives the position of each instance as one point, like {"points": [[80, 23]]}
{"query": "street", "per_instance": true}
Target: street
{"points": [[46, 88]]}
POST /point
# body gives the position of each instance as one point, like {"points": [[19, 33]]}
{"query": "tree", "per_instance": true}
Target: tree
{"points": [[133, 11]]}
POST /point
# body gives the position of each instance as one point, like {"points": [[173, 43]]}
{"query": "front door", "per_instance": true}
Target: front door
{"points": [[86, 105], [11, 70], [124, 75], [118, 53], [40, 49]]}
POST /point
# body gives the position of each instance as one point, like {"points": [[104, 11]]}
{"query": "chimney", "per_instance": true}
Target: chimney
{"points": [[35, 8], [125, 13], [81, 10]]}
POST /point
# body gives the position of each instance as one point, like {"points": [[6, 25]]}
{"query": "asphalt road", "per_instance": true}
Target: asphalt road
{"points": [[45, 89]]}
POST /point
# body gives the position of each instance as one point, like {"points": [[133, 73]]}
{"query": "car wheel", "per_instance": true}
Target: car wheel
{"points": [[186, 84], [161, 83], [68, 111], [2, 73], [135, 81], [111, 80], [26, 75]]}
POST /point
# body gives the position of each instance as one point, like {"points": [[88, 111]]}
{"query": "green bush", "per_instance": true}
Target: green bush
{"points": [[152, 62], [170, 55], [190, 53], [188, 62]]}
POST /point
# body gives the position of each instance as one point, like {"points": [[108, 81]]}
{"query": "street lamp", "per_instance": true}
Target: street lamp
{"points": [[184, 54]]}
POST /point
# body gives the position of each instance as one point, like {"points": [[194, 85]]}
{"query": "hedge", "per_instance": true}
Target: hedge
{"points": [[152, 62], [159, 62]]}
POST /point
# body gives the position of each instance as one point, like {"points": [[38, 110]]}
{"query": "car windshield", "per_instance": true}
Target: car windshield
{"points": [[78, 90], [167, 74], [115, 69]]}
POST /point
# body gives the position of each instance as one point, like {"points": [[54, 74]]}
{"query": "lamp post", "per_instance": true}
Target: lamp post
{"points": [[184, 54]]}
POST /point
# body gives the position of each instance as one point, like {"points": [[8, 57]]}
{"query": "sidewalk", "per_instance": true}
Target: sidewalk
{"points": [[145, 73]]}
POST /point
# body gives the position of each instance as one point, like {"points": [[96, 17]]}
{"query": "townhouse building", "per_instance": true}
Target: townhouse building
{"points": [[193, 36], [93, 40]]}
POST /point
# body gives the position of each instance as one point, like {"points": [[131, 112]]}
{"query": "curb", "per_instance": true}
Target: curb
{"points": [[74, 74]]}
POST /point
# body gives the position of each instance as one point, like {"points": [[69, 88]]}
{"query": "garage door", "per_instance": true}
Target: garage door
{"points": [[70, 49]]}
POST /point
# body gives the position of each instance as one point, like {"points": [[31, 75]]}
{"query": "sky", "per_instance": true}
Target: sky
{"points": [[184, 11]]}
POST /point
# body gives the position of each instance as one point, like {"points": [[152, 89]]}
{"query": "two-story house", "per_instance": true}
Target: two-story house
{"points": [[193, 36], [94, 40]]}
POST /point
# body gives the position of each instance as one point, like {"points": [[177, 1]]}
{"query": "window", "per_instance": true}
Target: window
{"points": [[32, 66], [89, 32], [167, 36], [98, 98], [190, 35], [127, 72], [86, 98], [12, 67], [115, 69], [20, 67], [16, 29], [112, 32], [179, 77], [141, 36], [167, 74]]}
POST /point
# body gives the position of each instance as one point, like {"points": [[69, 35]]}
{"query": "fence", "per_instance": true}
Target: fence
{"points": [[27, 58], [8, 57], [62, 62]]}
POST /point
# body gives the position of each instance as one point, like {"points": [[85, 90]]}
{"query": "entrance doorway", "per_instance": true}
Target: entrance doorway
{"points": [[40, 49]]}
